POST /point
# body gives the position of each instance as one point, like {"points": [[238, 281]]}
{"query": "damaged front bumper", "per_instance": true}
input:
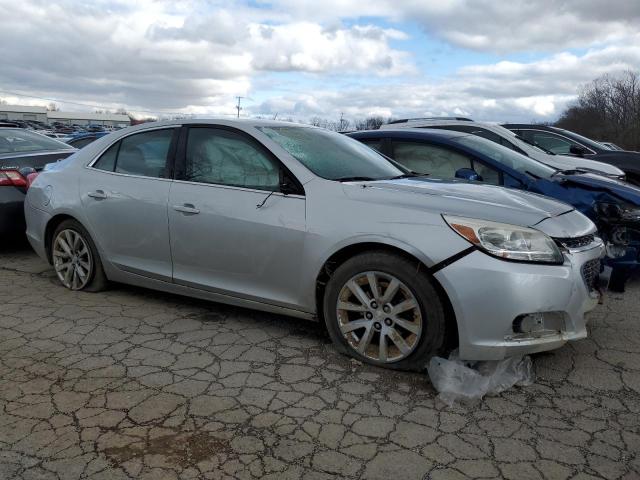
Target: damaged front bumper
{"points": [[511, 308]]}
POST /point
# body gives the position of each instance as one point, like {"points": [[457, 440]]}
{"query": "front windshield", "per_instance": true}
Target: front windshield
{"points": [[15, 140], [331, 155], [506, 156]]}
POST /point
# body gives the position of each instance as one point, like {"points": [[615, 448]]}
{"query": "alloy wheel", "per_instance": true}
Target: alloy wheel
{"points": [[72, 259], [379, 316]]}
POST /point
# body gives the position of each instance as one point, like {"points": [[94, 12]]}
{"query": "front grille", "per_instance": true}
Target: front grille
{"points": [[576, 242], [590, 273]]}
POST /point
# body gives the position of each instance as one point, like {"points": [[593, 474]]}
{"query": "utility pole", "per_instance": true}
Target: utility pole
{"points": [[341, 121], [238, 107]]}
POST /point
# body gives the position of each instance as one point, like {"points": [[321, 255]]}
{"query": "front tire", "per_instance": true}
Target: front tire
{"points": [[75, 258], [381, 309]]}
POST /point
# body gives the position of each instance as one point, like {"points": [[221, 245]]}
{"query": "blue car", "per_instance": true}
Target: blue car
{"points": [[80, 140], [613, 205]]}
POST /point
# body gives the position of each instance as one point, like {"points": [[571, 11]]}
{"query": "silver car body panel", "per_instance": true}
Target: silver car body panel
{"points": [[560, 162], [269, 258]]}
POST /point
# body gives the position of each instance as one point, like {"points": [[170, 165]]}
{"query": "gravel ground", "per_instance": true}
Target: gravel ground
{"points": [[132, 383]]}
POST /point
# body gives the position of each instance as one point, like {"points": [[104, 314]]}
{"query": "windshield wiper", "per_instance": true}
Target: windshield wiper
{"points": [[537, 177], [409, 175], [571, 171], [353, 179], [549, 152]]}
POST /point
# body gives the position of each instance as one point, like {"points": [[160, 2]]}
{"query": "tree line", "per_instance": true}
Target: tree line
{"points": [[607, 109]]}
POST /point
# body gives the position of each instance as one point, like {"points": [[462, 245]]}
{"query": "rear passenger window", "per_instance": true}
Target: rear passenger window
{"points": [[108, 159], [143, 154]]}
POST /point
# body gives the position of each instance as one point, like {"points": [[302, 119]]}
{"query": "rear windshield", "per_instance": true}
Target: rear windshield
{"points": [[15, 140], [331, 155]]}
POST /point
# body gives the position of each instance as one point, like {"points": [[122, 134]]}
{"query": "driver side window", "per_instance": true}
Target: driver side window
{"points": [[551, 142], [438, 162], [223, 157]]}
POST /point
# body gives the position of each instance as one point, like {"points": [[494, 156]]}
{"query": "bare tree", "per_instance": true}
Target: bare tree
{"points": [[608, 109], [370, 123], [52, 107]]}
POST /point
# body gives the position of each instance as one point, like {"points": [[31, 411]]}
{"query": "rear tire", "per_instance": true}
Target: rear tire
{"points": [[75, 258], [381, 309]]}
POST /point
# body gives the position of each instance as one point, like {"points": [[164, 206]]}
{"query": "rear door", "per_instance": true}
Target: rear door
{"points": [[232, 230], [125, 194]]}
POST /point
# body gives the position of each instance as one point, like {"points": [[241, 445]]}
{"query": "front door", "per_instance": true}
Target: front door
{"points": [[125, 194], [232, 230]]}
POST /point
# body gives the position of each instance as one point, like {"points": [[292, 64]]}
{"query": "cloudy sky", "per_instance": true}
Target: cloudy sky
{"points": [[491, 60]]}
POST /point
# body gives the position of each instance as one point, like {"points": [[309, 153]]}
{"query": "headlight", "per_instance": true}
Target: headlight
{"points": [[618, 211], [506, 241]]}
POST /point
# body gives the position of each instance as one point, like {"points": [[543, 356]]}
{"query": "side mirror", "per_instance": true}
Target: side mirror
{"points": [[468, 174], [576, 150]]}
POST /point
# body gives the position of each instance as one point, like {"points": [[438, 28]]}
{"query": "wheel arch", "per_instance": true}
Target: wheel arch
{"points": [[52, 224], [343, 254]]}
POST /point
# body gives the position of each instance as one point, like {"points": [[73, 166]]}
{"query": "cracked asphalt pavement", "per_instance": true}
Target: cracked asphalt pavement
{"points": [[131, 383]]}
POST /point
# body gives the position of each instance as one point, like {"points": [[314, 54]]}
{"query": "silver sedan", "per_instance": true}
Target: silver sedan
{"points": [[301, 221]]}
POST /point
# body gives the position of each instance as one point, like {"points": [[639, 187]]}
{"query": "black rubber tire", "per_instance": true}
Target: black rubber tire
{"points": [[618, 280], [432, 341], [98, 280]]}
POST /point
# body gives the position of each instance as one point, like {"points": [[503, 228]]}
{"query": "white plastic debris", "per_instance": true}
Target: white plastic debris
{"points": [[467, 382]]}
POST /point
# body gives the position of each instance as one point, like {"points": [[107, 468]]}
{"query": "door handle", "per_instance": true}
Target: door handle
{"points": [[98, 194], [186, 208]]}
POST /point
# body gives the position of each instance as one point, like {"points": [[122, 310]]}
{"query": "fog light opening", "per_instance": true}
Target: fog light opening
{"points": [[537, 324]]}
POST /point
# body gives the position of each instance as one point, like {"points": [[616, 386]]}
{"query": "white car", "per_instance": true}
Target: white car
{"points": [[507, 138]]}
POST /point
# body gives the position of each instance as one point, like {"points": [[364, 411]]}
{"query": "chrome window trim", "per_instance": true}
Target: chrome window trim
{"points": [[244, 189], [570, 140], [129, 175]]}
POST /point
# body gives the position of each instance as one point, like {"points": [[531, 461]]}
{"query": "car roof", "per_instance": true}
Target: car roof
{"points": [[530, 125], [429, 119], [432, 121], [417, 133], [241, 122]]}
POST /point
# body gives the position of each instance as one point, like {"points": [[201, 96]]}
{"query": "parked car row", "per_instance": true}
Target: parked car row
{"points": [[560, 141], [464, 149], [59, 130], [521, 144], [398, 255]]}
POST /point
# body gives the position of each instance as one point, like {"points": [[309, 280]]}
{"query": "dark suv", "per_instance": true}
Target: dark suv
{"points": [[565, 142]]}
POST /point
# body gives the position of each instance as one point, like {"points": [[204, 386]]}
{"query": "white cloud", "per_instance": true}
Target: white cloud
{"points": [[490, 25], [159, 55], [504, 91], [329, 57]]}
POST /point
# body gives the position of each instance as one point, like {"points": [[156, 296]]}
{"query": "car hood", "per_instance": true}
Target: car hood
{"points": [[627, 161], [473, 200], [598, 183], [565, 162]]}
